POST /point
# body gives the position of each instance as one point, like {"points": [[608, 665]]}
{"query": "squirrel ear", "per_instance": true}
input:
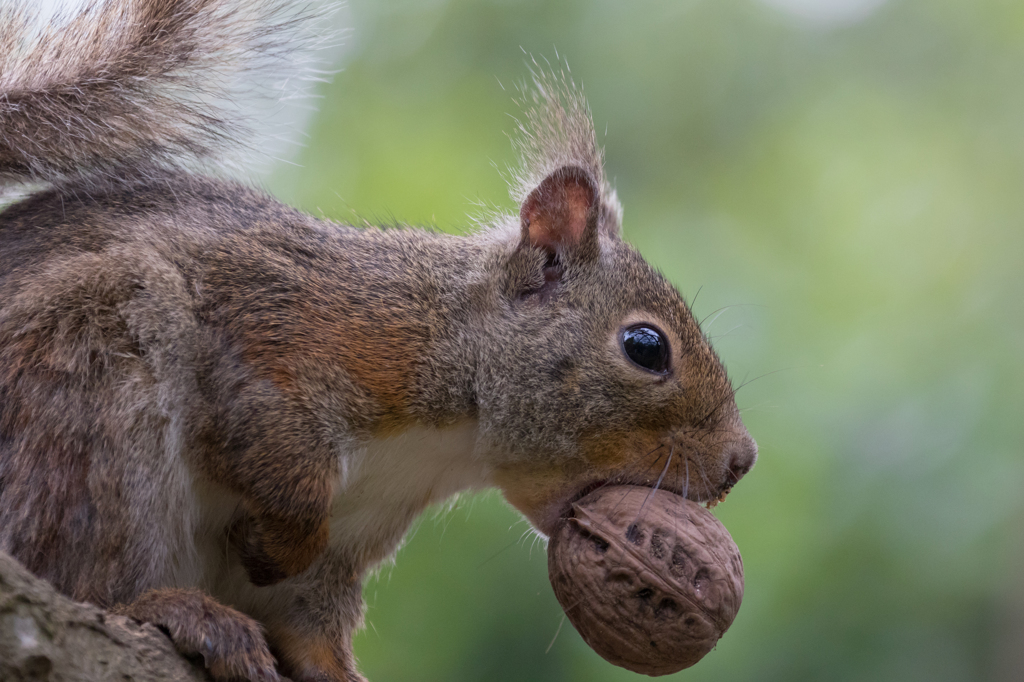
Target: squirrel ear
{"points": [[561, 213]]}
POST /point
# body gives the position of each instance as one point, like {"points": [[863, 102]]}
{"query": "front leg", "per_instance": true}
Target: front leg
{"points": [[276, 456], [316, 657], [312, 637]]}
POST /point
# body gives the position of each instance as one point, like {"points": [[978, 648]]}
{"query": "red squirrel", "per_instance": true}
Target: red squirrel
{"points": [[217, 413]]}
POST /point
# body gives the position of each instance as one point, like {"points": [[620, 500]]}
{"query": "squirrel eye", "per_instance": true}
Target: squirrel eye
{"points": [[646, 347]]}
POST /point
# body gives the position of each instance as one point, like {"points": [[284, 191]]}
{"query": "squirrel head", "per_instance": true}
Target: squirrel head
{"points": [[593, 371]]}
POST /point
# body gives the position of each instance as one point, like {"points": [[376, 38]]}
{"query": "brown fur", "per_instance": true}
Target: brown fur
{"points": [[230, 642], [322, 658], [202, 389]]}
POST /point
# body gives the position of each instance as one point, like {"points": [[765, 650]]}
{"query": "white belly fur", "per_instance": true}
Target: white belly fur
{"points": [[389, 481], [384, 484]]}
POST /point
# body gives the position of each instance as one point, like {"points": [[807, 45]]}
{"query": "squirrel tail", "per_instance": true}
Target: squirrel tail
{"points": [[119, 88]]}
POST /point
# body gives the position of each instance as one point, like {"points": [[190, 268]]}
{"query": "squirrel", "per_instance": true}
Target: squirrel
{"points": [[217, 413]]}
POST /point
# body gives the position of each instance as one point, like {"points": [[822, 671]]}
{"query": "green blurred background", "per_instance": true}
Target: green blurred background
{"points": [[843, 183]]}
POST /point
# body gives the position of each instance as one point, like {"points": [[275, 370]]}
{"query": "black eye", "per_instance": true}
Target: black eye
{"points": [[647, 347]]}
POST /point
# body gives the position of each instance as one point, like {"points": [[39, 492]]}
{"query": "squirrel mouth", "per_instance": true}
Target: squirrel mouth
{"points": [[586, 490], [567, 511], [694, 495]]}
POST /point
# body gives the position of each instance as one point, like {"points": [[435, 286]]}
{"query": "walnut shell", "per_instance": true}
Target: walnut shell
{"points": [[650, 579]]}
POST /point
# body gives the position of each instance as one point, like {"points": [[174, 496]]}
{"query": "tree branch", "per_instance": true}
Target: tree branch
{"points": [[45, 635]]}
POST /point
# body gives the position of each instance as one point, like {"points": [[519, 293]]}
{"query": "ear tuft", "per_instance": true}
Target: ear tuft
{"points": [[561, 213], [557, 132]]}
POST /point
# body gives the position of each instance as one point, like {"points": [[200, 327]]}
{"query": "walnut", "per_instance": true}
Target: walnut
{"points": [[650, 579]]}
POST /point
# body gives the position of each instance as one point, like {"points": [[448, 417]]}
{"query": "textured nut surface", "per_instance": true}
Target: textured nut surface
{"points": [[650, 579]]}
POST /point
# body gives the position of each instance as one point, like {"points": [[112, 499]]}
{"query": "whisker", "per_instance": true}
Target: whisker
{"points": [[643, 473], [640, 457], [707, 481], [675, 520], [718, 313], [560, 624], [650, 494], [732, 393], [498, 553], [694, 299], [730, 331], [671, 451], [647, 498], [686, 486], [524, 535]]}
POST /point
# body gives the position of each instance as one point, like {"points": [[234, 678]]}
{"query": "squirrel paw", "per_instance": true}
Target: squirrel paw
{"points": [[230, 642]]}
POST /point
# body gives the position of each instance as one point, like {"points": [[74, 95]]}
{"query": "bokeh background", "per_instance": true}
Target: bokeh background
{"points": [[842, 181]]}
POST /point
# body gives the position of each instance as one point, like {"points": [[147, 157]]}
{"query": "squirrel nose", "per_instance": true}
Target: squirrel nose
{"points": [[742, 456]]}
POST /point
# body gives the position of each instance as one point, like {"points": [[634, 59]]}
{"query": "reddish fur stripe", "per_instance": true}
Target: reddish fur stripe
{"points": [[374, 347], [314, 658]]}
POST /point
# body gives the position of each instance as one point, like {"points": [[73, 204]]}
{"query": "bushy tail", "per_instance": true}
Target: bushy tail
{"points": [[125, 86]]}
